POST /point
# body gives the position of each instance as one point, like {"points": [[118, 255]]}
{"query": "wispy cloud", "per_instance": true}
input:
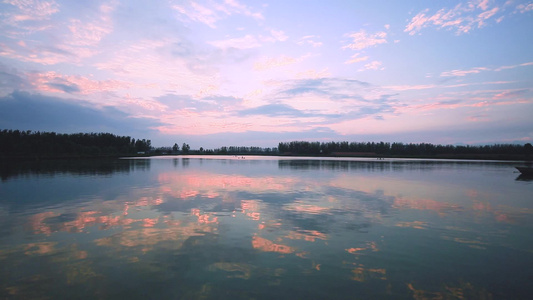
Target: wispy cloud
{"points": [[523, 8], [474, 99], [463, 72], [463, 18], [362, 39], [477, 70], [333, 87], [74, 39], [335, 99], [250, 41], [410, 87], [513, 66], [274, 62], [355, 59], [32, 10], [210, 12], [56, 82], [374, 65], [310, 40], [313, 74], [199, 105], [267, 63], [246, 42], [91, 33], [273, 110]]}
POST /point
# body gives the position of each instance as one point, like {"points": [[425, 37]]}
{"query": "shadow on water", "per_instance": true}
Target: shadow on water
{"points": [[377, 165], [83, 167], [523, 177]]}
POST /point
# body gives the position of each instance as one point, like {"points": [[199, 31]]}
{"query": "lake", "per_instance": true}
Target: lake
{"points": [[226, 227]]}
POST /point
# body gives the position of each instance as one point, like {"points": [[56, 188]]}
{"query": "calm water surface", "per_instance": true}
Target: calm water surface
{"points": [[265, 228]]}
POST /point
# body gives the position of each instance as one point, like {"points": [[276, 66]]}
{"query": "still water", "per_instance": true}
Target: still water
{"points": [[265, 228]]}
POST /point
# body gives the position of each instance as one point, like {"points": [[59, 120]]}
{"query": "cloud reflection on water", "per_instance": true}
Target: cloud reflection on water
{"points": [[339, 221]]}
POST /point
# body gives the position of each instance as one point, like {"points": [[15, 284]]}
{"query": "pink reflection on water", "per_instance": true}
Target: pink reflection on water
{"points": [[426, 204], [204, 218], [371, 246], [250, 209], [500, 213], [37, 222], [307, 235], [299, 206], [210, 185], [269, 246]]}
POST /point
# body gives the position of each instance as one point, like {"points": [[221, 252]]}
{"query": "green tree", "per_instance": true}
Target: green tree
{"points": [[175, 148]]}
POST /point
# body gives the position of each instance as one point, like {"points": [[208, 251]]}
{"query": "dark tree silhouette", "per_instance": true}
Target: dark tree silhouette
{"points": [[50, 144], [185, 148]]}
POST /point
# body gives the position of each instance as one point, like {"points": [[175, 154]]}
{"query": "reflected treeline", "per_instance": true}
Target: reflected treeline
{"points": [[523, 177], [378, 165], [79, 167]]}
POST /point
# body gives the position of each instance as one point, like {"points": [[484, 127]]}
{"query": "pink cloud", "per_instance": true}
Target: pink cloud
{"points": [[246, 42], [250, 41], [477, 70], [309, 40], [484, 4], [514, 66], [355, 59], [410, 87], [523, 8], [33, 9], [374, 65], [236, 7], [362, 40], [461, 73], [462, 18], [279, 35], [417, 23], [476, 99], [511, 94], [270, 63], [46, 55], [313, 74], [58, 83], [211, 13], [87, 34], [91, 33], [486, 15]]}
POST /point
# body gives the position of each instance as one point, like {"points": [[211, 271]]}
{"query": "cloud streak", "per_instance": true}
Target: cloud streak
{"points": [[362, 39], [463, 18]]}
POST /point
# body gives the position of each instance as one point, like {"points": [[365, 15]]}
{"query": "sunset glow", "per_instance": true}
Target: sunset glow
{"points": [[252, 73]]}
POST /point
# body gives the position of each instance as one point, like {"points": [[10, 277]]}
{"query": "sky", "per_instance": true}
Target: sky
{"points": [[256, 73]]}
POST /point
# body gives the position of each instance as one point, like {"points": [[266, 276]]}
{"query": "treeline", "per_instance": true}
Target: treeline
{"points": [[231, 150], [400, 149], [16, 143], [242, 150]]}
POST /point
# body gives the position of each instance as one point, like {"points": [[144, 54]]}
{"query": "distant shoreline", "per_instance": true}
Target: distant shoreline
{"points": [[506, 157]]}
